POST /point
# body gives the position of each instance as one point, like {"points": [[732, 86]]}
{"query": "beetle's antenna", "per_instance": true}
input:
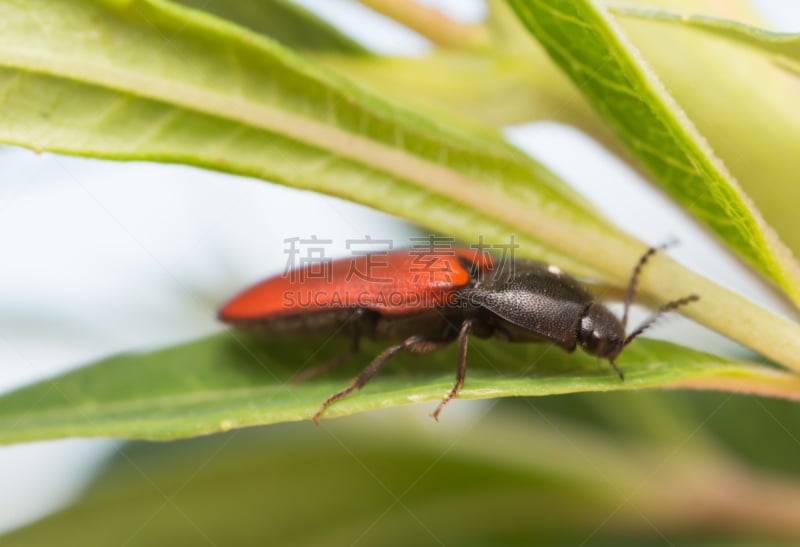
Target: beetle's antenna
{"points": [[637, 270], [668, 307]]}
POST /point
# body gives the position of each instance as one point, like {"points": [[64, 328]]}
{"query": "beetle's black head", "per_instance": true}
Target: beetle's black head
{"points": [[601, 333]]}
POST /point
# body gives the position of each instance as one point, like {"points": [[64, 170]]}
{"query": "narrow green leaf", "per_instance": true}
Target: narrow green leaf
{"points": [[708, 75], [228, 381], [742, 69], [590, 47], [150, 80], [784, 46], [223, 98], [284, 21]]}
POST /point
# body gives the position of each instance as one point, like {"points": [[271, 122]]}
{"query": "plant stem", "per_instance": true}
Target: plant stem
{"points": [[431, 24]]}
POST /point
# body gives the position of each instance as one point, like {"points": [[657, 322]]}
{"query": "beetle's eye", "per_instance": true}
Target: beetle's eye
{"points": [[592, 341], [601, 333]]}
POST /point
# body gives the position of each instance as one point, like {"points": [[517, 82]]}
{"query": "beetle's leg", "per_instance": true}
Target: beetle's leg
{"points": [[461, 368], [413, 344], [332, 363], [355, 326], [618, 370]]}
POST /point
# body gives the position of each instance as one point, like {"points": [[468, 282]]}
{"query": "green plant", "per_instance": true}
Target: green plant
{"points": [[98, 78]]}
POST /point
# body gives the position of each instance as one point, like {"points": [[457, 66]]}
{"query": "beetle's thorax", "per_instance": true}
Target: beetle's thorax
{"points": [[601, 333], [531, 302]]}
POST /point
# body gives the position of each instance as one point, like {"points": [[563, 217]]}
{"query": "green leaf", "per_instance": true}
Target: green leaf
{"points": [[220, 97], [151, 80], [516, 81], [494, 85], [732, 67], [508, 478], [784, 46], [284, 21], [98, 78], [229, 381], [591, 48], [497, 88]]}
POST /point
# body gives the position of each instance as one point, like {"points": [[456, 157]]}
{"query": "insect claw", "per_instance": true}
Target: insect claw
{"points": [[618, 370]]}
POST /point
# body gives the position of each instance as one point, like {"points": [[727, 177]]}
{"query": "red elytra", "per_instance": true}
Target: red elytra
{"points": [[399, 282]]}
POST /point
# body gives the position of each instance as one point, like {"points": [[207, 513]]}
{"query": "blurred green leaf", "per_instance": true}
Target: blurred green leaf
{"points": [[763, 432], [498, 88], [229, 381], [591, 48], [284, 21], [783, 45], [508, 478]]}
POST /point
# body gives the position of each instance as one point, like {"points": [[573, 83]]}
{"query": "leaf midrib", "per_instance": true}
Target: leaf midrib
{"points": [[426, 174]]}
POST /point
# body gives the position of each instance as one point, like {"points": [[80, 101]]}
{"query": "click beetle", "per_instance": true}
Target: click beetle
{"points": [[424, 302]]}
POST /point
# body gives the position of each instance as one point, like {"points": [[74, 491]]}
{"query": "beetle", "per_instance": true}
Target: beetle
{"points": [[423, 301]]}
